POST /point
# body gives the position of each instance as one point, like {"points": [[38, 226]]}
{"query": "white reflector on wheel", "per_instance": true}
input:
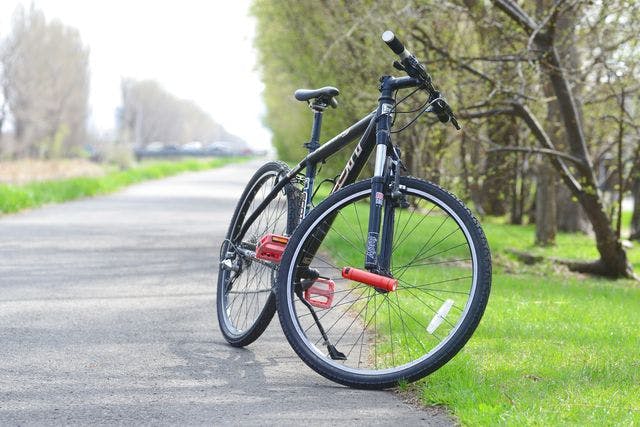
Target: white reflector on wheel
{"points": [[440, 315]]}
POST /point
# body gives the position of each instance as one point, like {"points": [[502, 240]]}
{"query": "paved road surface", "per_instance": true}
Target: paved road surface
{"points": [[107, 315]]}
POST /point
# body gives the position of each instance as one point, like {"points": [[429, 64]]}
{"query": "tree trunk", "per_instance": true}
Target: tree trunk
{"points": [[3, 116], [571, 216], [498, 169], [635, 217], [517, 178], [613, 258], [546, 205], [517, 193], [475, 190]]}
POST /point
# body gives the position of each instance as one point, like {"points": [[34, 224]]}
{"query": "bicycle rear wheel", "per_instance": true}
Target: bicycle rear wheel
{"points": [[245, 300], [375, 337]]}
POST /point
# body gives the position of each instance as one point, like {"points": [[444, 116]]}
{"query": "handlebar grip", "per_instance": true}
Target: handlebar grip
{"points": [[392, 41]]}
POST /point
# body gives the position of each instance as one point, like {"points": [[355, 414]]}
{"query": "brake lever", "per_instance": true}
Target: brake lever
{"points": [[442, 110], [398, 66], [415, 69], [447, 110], [454, 122]]}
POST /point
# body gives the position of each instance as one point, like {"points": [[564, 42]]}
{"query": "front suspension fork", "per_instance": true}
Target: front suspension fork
{"points": [[377, 260], [382, 208], [381, 215]]}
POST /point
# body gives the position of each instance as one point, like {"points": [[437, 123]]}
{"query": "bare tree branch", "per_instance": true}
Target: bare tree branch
{"points": [[578, 162], [426, 40], [464, 114], [516, 13], [538, 131], [548, 20]]}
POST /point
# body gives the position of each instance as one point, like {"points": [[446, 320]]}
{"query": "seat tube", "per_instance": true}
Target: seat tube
{"points": [[310, 177], [383, 125]]}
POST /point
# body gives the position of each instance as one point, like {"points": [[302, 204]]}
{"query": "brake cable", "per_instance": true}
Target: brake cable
{"points": [[406, 112]]}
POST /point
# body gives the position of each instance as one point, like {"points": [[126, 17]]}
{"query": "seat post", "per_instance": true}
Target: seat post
{"points": [[314, 143]]}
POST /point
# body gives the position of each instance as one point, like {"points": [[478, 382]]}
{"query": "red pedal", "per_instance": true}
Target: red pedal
{"points": [[271, 247], [320, 294], [371, 279]]}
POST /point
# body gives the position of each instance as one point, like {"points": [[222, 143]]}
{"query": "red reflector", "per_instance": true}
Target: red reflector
{"points": [[371, 279], [320, 294], [270, 247]]}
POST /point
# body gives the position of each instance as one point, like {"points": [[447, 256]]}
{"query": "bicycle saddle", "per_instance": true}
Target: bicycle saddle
{"points": [[324, 94]]}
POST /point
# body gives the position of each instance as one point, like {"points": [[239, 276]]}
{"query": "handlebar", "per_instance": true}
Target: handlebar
{"points": [[415, 69], [394, 44]]}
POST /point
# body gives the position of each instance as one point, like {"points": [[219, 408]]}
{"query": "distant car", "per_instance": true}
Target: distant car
{"points": [[193, 146], [215, 149], [154, 146]]}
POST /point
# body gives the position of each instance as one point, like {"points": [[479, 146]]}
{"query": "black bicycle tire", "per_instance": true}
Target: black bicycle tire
{"points": [[251, 334], [440, 357]]}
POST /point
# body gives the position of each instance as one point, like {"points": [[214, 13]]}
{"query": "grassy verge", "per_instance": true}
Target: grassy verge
{"points": [[14, 198], [553, 348], [550, 350]]}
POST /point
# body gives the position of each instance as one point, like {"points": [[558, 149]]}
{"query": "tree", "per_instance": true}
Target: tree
{"points": [[493, 61], [149, 113], [46, 84], [581, 180], [3, 106], [536, 42]]}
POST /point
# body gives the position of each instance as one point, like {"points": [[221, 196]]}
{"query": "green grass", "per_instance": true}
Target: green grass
{"points": [[503, 237], [20, 197], [550, 350], [553, 348]]}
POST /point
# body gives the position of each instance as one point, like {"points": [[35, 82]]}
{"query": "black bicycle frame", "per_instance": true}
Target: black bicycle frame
{"points": [[363, 129], [380, 119]]}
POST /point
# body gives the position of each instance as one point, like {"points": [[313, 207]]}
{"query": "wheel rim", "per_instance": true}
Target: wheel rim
{"points": [[356, 322], [247, 294]]}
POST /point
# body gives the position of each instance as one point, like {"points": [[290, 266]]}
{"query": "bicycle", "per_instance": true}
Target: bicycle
{"points": [[385, 280]]}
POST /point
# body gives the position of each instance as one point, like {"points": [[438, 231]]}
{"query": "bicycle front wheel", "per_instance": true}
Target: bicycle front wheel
{"points": [[366, 337]]}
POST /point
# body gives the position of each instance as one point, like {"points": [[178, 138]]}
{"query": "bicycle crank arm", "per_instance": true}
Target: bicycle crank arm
{"points": [[247, 253]]}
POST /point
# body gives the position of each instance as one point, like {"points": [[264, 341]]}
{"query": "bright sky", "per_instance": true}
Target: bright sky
{"points": [[197, 49]]}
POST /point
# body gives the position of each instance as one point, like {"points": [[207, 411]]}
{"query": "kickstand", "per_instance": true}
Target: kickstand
{"points": [[333, 352]]}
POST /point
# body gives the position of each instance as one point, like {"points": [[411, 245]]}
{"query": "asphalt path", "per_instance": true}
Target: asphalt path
{"points": [[107, 316]]}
